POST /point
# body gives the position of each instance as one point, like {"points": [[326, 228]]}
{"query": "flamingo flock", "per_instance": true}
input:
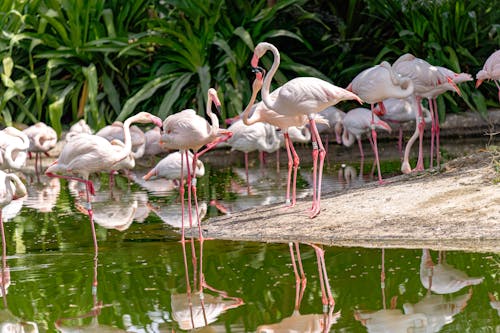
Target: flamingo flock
{"points": [[302, 109]]}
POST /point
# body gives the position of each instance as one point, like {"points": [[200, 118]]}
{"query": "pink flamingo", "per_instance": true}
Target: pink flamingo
{"points": [[115, 132], [42, 139], [259, 112], [432, 97], [333, 116], [376, 84], [170, 167], [186, 130], [79, 127], [248, 138], [87, 153], [302, 96], [425, 79], [14, 146], [359, 121], [490, 71], [152, 143]]}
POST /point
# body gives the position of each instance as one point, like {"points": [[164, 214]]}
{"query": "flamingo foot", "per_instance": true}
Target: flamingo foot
{"points": [[419, 167], [315, 211], [406, 168]]}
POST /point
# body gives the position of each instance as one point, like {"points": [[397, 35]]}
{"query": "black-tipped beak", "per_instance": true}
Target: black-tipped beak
{"points": [[258, 69]]}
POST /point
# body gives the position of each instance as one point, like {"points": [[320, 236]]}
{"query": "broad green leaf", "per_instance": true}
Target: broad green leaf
{"points": [[56, 108], [145, 92], [172, 95]]}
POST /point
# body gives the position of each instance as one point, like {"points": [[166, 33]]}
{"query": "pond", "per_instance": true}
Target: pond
{"points": [[142, 279]]}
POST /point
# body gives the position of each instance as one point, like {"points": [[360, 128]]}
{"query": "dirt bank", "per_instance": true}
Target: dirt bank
{"points": [[457, 207]]}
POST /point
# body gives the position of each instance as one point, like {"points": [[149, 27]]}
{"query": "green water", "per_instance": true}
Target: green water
{"points": [[141, 271]]}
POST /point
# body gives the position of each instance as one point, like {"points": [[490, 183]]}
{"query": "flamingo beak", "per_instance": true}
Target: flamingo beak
{"points": [[382, 124], [453, 84], [478, 83]]}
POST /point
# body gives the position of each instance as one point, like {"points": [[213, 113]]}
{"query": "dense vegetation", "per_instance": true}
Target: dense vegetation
{"points": [[104, 60]]}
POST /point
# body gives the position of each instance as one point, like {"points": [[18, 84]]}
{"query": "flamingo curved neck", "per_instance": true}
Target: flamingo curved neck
{"points": [[256, 115], [269, 76], [347, 138], [127, 139], [213, 117]]}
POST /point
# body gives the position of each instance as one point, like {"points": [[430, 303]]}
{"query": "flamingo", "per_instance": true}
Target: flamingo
{"points": [[333, 115], [152, 144], [79, 127], [425, 79], [186, 130], [14, 146], [115, 131], [490, 71], [255, 113], [432, 95], [42, 139], [170, 167], [248, 138], [87, 153], [302, 96], [359, 121], [11, 189], [443, 278], [376, 84]]}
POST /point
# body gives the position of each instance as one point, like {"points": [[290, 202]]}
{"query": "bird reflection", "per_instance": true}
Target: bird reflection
{"points": [[443, 278], [8, 321], [171, 213], [43, 195], [298, 322], [196, 308], [390, 320], [110, 209], [78, 322]]}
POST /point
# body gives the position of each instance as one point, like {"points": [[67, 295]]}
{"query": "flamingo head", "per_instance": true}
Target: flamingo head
{"points": [[454, 85], [259, 78], [479, 82], [258, 52], [146, 117], [380, 124], [214, 98]]}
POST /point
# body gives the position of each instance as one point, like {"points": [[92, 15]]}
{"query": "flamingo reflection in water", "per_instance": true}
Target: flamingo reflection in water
{"points": [[11, 189], [79, 323], [390, 320], [442, 279], [198, 309], [43, 195], [298, 322]]}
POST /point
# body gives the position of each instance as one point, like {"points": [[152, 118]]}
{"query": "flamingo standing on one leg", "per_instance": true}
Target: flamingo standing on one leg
{"points": [[186, 130], [170, 167], [359, 121], [86, 153], [374, 85], [298, 97], [425, 78], [42, 139], [259, 112], [490, 71]]}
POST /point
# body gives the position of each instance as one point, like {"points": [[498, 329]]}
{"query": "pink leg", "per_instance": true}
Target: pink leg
{"points": [[5, 273], [296, 162], [360, 145], [317, 149], [433, 131], [300, 279], [326, 292], [289, 175], [193, 189], [400, 141], [438, 152], [421, 127], [246, 173], [293, 161], [375, 148], [181, 192]]}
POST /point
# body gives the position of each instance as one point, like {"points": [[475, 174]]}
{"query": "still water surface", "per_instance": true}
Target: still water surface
{"points": [[144, 279]]}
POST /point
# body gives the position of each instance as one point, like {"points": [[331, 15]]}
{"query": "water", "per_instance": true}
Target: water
{"points": [[139, 281]]}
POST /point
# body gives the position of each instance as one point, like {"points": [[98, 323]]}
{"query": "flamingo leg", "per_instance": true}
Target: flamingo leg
{"points": [[181, 193], [433, 130], [4, 262], [194, 190], [289, 175], [318, 149], [405, 166], [326, 292], [296, 162], [375, 148], [421, 126], [382, 279], [438, 152], [360, 145], [246, 173]]}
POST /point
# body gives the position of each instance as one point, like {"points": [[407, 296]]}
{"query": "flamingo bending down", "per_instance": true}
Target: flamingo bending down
{"points": [[186, 130], [425, 79], [87, 153], [14, 146], [115, 132], [490, 71], [359, 121], [42, 139], [247, 138], [376, 84], [302, 96], [170, 167]]}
